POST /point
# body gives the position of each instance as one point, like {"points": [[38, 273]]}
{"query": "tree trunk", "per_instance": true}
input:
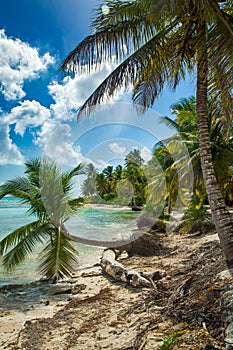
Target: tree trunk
{"points": [[221, 216], [143, 244], [120, 273]]}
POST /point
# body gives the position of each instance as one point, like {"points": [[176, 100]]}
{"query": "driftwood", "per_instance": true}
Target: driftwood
{"points": [[120, 273]]}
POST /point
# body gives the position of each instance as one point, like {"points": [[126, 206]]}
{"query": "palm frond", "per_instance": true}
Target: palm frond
{"points": [[75, 203], [220, 43], [67, 177], [18, 244], [170, 122], [54, 200], [115, 32], [58, 258], [21, 188], [129, 71], [32, 170]]}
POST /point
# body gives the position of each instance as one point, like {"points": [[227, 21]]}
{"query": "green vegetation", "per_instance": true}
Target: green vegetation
{"points": [[156, 184], [185, 127], [123, 185], [155, 44], [47, 191], [168, 341]]}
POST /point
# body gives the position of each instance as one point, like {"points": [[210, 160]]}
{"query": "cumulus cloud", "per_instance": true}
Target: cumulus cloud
{"points": [[19, 62], [70, 95], [60, 148], [27, 114], [117, 149], [9, 152]]}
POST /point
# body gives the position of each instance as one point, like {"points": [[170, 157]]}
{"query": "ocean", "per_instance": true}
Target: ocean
{"points": [[98, 223]]}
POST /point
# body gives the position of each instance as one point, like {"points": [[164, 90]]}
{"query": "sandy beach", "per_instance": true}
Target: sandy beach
{"points": [[92, 311]]}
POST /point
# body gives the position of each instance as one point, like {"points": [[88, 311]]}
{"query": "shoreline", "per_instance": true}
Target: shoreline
{"points": [[106, 206], [91, 310], [39, 299]]}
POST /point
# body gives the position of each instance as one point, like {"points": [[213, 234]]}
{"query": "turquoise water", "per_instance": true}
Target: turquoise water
{"points": [[90, 223]]}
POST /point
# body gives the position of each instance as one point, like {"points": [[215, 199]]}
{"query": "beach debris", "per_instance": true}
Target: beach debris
{"points": [[120, 273]]}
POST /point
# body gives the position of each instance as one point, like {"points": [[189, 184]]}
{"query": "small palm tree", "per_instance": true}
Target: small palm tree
{"points": [[47, 191], [118, 173]]}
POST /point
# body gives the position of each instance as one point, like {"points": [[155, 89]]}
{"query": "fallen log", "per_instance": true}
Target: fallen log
{"points": [[119, 272]]}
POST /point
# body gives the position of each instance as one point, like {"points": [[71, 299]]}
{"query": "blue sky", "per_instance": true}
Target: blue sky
{"points": [[38, 108]]}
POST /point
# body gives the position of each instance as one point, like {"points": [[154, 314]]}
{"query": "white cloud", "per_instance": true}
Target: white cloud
{"points": [[43, 135], [27, 114], [19, 62], [117, 149], [9, 152], [99, 163], [70, 95], [60, 148]]}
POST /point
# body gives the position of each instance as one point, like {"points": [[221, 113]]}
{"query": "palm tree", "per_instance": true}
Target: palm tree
{"points": [[168, 173], [47, 192], [185, 124], [118, 173], [89, 184], [134, 157], [101, 184], [138, 181], [109, 175], [156, 42]]}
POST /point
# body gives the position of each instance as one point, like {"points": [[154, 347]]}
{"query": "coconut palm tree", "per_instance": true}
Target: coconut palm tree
{"points": [[47, 192], [101, 184], [109, 175], [185, 124], [118, 173], [156, 42], [89, 184]]}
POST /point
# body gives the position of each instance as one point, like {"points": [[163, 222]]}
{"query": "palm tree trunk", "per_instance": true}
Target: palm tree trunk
{"points": [[221, 216]]}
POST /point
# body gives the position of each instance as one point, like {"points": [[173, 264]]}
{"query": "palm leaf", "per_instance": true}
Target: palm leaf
{"points": [[123, 27], [18, 244], [67, 177], [129, 71], [172, 124], [20, 187], [32, 171], [58, 258], [75, 203]]}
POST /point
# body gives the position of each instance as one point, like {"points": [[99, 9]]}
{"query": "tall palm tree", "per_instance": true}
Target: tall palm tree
{"points": [[156, 42], [101, 184], [47, 192], [185, 124], [108, 172], [89, 184], [118, 173]]}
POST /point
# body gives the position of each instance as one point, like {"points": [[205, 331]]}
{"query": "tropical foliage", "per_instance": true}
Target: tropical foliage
{"points": [[124, 185], [156, 42], [185, 126], [47, 192]]}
